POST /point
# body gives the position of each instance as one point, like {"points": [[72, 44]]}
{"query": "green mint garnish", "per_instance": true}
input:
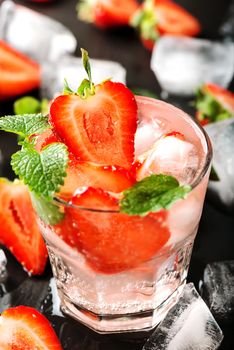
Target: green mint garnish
{"points": [[48, 211], [43, 172], [145, 21], [24, 125], [152, 194], [210, 108]]}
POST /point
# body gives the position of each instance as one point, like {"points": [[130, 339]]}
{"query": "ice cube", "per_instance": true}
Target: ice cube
{"points": [[227, 27], [188, 325], [71, 69], [36, 35], [222, 138], [3, 263], [218, 289], [181, 65], [172, 156], [31, 292]]}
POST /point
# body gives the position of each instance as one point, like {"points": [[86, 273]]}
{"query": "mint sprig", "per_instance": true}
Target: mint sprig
{"points": [[48, 211], [152, 194], [24, 125], [43, 172]]}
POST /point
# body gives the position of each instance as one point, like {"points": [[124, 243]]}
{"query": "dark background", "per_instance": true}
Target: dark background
{"points": [[215, 239]]}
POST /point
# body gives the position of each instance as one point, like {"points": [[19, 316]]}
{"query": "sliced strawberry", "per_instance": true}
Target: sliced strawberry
{"points": [[99, 128], [175, 20], [19, 74], [111, 241], [109, 178], [106, 14], [45, 138], [176, 134], [24, 328], [19, 230], [223, 96]]}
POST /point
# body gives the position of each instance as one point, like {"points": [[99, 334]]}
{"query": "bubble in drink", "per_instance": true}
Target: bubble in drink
{"points": [[188, 325], [34, 34], [182, 65]]}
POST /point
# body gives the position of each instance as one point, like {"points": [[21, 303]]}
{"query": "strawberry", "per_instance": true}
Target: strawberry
{"points": [[157, 17], [80, 174], [214, 103], [19, 230], [24, 328], [112, 241], [100, 127], [106, 14], [19, 74]]}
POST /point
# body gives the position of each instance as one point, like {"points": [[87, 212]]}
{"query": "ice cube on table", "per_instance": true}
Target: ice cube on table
{"points": [[71, 69], [222, 138], [188, 325], [218, 289], [172, 156], [3, 263], [181, 65], [227, 27], [36, 35]]}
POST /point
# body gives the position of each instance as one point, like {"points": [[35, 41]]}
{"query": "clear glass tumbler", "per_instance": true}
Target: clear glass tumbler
{"points": [[133, 289]]}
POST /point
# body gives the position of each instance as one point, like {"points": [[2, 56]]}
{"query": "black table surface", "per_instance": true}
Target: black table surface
{"points": [[215, 238]]}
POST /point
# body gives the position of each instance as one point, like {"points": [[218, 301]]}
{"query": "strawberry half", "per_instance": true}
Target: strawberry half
{"points": [[24, 328], [106, 14], [157, 17], [214, 103], [19, 74], [19, 230], [99, 128], [111, 241]]}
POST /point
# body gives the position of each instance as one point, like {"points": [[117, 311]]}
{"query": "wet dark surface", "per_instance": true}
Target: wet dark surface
{"points": [[215, 239]]}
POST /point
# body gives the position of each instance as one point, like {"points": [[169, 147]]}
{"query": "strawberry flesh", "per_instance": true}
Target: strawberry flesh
{"points": [[19, 74], [24, 328], [19, 230], [100, 128], [111, 241]]}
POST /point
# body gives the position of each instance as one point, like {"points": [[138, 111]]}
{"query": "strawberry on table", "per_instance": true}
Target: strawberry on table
{"points": [[214, 103], [19, 231], [18, 73], [98, 123], [106, 14], [24, 328], [157, 17], [113, 242]]}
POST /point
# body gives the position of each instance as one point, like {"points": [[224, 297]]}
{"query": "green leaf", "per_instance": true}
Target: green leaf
{"points": [[84, 88], [27, 105], [43, 172], [24, 125], [86, 64], [48, 211], [66, 88], [143, 92], [152, 194]]}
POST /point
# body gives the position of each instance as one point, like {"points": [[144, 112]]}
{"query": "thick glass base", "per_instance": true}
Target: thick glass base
{"points": [[140, 321]]}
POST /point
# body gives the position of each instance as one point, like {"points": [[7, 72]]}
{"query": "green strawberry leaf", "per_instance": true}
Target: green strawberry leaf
{"points": [[66, 88], [48, 211], [27, 105], [152, 194], [24, 125], [43, 172]]}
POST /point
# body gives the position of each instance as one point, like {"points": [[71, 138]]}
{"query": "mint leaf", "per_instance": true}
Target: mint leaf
{"points": [[43, 172], [27, 105], [48, 211], [24, 125], [154, 193]]}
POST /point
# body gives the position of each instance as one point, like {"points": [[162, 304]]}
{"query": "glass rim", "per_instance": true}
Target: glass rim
{"points": [[194, 184]]}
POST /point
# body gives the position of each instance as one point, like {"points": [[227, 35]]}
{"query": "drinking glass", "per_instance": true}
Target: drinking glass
{"points": [[133, 288]]}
